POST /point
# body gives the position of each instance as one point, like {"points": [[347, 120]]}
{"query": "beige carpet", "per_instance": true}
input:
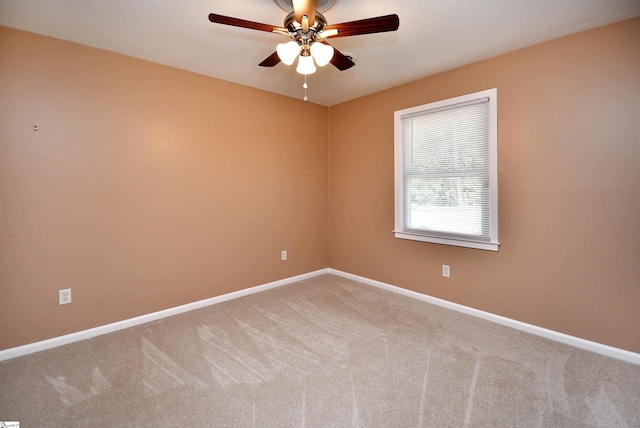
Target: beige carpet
{"points": [[324, 352]]}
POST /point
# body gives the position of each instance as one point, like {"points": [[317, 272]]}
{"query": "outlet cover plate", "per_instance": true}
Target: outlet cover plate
{"points": [[446, 271], [64, 296]]}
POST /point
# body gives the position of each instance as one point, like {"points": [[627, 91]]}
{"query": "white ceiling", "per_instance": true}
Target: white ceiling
{"points": [[434, 36]]}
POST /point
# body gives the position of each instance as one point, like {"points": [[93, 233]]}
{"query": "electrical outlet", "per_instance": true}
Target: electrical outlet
{"points": [[64, 296], [446, 271], [284, 255]]}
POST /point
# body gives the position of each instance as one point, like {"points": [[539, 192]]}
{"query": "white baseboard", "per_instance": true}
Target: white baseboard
{"points": [[599, 348], [121, 325]]}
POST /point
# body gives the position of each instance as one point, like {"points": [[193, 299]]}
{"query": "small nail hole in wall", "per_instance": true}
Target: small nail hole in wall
{"points": [[35, 127]]}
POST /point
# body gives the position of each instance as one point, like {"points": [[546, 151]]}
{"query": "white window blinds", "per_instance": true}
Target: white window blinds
{"points": [[448, 173]]}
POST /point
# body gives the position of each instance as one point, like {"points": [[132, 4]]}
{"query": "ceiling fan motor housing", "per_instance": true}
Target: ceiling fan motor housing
{"points": [[292, 25], [321, 5], [304, 38]]}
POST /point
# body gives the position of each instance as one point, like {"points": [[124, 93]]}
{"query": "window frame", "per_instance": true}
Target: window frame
{"points": [[454, 239]]}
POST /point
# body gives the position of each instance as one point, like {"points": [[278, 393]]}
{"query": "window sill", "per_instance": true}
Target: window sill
{"points": [[490, 246]]}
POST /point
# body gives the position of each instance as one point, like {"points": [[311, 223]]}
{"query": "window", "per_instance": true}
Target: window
{"points": [[446, 172]]}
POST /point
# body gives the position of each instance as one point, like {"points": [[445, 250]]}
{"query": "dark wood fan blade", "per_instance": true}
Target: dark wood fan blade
{"points": [[379, 24], [271, 60], [304, 7], [340, 61], [243, 23]]}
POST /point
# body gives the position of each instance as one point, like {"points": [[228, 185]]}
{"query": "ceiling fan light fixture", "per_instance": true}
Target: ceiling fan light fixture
{"points": [[288, 52], [306, 65], [321, 53]]}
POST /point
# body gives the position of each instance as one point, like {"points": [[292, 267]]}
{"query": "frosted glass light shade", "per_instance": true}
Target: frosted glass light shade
{"points": [[321, 53], [306, 65], [288, 52]]}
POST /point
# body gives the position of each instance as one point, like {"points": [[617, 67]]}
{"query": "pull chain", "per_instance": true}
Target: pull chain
{"points": [[305, 86]]}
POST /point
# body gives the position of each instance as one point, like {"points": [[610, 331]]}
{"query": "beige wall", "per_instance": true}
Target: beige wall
{"points": [[569, 177], [145, 187]]}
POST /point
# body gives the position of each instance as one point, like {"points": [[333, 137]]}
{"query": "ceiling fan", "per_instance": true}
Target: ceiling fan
{"points": [[308, 29]]}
